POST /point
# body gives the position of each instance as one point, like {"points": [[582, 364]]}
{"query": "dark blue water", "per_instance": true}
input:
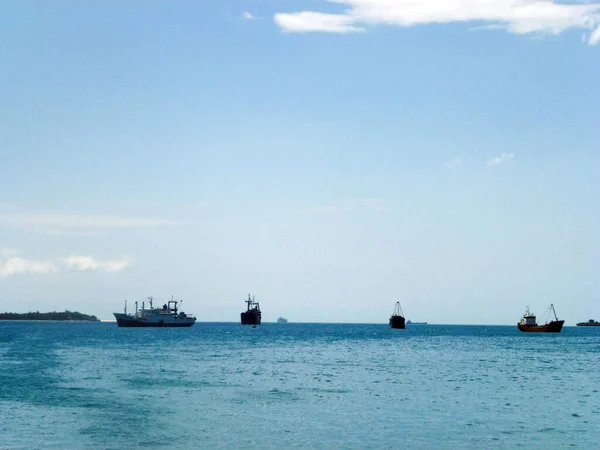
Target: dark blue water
{"points": [[92, 385]]}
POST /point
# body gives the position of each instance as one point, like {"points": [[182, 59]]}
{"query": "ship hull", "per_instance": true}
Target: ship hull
{"points": [[551, 327], [250, 318], [398, 322], [132, 322]]}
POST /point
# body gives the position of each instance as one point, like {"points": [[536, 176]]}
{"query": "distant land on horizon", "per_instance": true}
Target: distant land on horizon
{"points": [[66, 316]]}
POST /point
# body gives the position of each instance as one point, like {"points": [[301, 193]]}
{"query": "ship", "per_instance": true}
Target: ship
{"points": [[282, 320], [166, 316], [397, 319], [252, 315], [589, 323], [528, 323], [410, 322]]}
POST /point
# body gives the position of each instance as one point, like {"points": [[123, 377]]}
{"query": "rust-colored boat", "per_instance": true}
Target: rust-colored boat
{"points": [[528, 323]]}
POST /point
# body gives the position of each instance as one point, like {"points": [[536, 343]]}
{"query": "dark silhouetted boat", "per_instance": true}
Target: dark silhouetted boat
{"points": [[252, 315], [528, 323], [167, 316], [589, 323], [397, 320]]}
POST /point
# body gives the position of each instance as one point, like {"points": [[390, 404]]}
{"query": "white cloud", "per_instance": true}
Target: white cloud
{"points": [[17, 266], [11, 264], [515, 16], [595, 37], [502, 159], [66, 223], [248, 16], [307, 21], [83, 263]]}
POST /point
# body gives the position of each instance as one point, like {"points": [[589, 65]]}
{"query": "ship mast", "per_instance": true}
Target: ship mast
{"points": [[398, 310], [554, 311]]}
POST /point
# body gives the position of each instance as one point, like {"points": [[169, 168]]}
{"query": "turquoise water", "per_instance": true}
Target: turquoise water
{"points": [[93, 385]]}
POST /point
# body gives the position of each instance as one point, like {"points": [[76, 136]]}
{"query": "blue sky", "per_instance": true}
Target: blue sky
{"points": [[331, 158]]}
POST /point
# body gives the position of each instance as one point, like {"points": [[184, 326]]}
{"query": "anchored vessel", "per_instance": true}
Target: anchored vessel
{"points": [[252, 315], [528, 323], [589, 323], [282, 320], [166, 316], [397, 320], [408, 322]]}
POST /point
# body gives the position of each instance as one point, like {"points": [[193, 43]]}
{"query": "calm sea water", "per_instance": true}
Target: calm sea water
{"points": [[93, 385]]}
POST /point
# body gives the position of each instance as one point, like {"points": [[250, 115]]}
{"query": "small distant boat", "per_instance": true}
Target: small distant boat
{"points": [[282, 320], [397, 319], [167, 316], [528, 323], [589, 323], [409, 322], [252, 315]]}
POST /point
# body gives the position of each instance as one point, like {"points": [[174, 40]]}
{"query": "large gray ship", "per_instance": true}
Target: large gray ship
{"points": [[166, 316], [589, 323]]}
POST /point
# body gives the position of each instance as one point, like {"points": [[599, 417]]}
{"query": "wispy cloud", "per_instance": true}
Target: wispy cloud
{"points": [[595, 37], [12, 264], [373, 204], [87, 263], [68, 223], [515, 16], [248, 16], [502, 159], [307, 21], [454, 163]]}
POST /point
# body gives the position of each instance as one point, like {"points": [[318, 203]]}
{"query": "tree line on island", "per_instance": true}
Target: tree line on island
{"points": [[59, 316]]}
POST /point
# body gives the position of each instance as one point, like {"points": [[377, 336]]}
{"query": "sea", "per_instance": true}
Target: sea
{"points": [[285, 386]]}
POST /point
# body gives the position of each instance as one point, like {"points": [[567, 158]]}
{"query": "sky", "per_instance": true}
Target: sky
{"points": [[329, 157]]}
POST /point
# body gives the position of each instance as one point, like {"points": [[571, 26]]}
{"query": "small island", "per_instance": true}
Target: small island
{"points": [[66, 316]]}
